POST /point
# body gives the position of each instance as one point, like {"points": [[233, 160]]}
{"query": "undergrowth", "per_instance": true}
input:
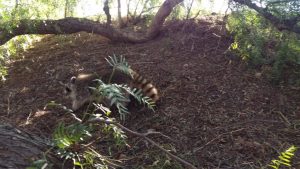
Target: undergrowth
{"points": [[262, 46], [13, 49]]}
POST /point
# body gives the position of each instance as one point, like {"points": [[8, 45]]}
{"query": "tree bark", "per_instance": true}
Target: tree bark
{"points": [[106, 11], [128, 9], [18, 148], [120, 20], [68, 26], [281, 24], [73, 25], [66, 8], [163, 12]]}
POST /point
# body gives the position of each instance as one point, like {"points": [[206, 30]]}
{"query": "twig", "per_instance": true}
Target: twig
{"points": [[197, 14], [75, 117], [8, 103], [28, 117], [144, 136], [284, 118], [109, 162], [149, 9], [219, 136], [156, 132]]}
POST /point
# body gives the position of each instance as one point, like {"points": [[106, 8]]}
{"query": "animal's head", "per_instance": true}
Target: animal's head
{"points": [[70, 87], [78, 91], [71, 93]]}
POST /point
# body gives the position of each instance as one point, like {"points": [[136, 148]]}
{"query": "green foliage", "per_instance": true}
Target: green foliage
{"points": [[66, 136], [92, 160], [69, 142], [3, 72], [117, 93], [41, 163], [259, 43], [118, 134], [284, 158], [114, 94], [178, 12], [13, 49], [118, 64], [37, 9], [69, 7], [283, 9], [139, 96]]}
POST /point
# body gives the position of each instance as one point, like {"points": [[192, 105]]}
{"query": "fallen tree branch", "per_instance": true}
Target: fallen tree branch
{"points": [[144, 136], [19, 148], [70, 25], [67, 26]]}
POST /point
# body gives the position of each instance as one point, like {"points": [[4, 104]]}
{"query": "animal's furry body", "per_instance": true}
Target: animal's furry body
{"points": [[79, 92]]}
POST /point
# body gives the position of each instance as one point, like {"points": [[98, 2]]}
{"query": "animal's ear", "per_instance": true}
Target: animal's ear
{"points": [[73, 80]]}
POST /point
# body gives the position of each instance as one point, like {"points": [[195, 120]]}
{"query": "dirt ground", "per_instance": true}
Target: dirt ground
{"points": [[218, 112]]}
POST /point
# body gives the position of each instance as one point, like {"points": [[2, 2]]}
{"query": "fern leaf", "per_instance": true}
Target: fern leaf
{"points": [[115, 94], [65, 136], [119, 64], [139, 96], [284, 158]]}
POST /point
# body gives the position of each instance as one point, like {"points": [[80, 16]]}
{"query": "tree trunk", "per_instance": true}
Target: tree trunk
{"points": [[18, 148], [163, 12], [120, 20], [128, 9], [66, 8], [106, 11]]}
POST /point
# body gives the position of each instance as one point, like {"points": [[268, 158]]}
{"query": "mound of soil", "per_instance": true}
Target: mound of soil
{"points": [[217, 112]]}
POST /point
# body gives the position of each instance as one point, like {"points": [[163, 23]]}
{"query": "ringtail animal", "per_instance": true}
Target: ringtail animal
{"points": [[79, 92]]}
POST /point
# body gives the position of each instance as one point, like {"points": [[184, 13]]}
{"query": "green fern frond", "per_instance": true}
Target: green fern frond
{"points": [[115, 94], [284, 158], [119, 64], [65, 136], [141, 98]]}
